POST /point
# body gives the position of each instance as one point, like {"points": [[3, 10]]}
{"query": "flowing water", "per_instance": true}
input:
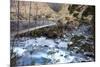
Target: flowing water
{"points": [[43, 50]]}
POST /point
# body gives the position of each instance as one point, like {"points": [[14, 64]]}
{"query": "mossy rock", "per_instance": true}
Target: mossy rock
{"points": [[37, 33], [51, 52], [48, 32], [77, 38], [92, 38], [87, 47], [76, 42]]}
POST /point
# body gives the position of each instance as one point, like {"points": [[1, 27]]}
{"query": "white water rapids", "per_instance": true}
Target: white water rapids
{"points": [[42, 50]]}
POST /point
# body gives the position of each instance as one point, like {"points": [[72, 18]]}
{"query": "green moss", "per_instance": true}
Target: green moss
{"points": [[77, 38], [48, 32], [87, 47], [91, 38], [76, 42]]}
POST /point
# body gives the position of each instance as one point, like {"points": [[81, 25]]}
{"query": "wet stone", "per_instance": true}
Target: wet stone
{"points": [[61, 55], [65, 56], [51, 52], [31, 52], [45, 45]]}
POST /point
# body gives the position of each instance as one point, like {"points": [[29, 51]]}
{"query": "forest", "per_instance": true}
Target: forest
{"points": [[50, 33]]}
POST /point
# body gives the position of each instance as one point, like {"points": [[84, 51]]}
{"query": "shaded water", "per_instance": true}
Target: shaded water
{"points": [[43, 50]]}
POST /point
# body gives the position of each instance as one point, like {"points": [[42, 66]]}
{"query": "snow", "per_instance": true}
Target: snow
{"points": [[38, 48], [19, 51], [36, 45], [31, 43], [62, 44], [70, 43]]}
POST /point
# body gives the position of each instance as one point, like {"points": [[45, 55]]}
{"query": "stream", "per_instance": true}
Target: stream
{"points": [[42, 50]]}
